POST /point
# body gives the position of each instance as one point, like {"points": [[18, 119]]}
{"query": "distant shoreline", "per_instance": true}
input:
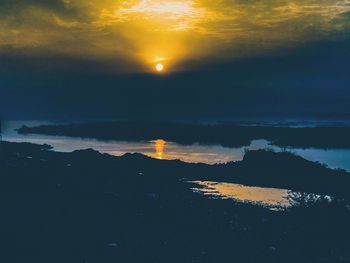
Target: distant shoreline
{"points": [[262, 168], [224, 134]]}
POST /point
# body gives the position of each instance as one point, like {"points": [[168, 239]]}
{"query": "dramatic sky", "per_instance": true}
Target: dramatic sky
{"points": [[222, 58]]}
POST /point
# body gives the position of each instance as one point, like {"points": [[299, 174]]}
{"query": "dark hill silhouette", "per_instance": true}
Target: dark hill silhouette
{"points": [[86, 206], [258, 168], [90, 207], [289, 171]]}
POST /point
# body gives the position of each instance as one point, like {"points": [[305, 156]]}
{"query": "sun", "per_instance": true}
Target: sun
{"points": [[159, 67]]}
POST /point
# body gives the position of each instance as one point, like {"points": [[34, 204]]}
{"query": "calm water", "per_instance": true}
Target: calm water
{"points": [[271, 198], [157, 148]]}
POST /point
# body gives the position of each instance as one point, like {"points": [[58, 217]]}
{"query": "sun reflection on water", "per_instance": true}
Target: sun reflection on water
{"points": [[159, 147], [272, 198]]}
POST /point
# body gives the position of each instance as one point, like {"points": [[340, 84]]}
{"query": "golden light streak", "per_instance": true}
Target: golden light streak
{"points": [[270, 197], [159, 148]]}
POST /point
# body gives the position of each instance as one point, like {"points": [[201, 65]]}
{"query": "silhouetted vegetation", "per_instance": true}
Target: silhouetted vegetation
{"points": [[226, 135], [289, 171], [90, 207]]}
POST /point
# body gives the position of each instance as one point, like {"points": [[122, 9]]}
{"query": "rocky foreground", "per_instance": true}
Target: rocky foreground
{"points": [[90, 207]]}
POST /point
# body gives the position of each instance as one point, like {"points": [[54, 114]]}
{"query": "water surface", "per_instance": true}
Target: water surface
{"points": [[160, 149], [271, 198]]}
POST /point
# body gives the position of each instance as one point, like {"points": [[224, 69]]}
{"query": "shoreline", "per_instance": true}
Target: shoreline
{"points": [[188, 134]]}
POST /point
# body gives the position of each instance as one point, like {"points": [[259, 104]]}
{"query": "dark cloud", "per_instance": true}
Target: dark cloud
{"points": [[88, 59], [177, 31], [11, 7]]}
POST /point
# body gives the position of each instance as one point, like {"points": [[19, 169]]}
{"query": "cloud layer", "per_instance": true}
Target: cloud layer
{"points": [[130, 35]]}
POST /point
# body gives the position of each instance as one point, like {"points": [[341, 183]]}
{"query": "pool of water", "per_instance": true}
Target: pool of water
{"points": [[160, 149], [271, 198]]}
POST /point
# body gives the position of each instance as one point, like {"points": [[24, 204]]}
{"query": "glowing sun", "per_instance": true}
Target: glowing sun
{"points": [[159, 67]]}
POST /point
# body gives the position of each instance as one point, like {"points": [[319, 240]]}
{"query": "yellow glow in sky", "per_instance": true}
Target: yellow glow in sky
{"points": [[175, 9], [137, 31]]}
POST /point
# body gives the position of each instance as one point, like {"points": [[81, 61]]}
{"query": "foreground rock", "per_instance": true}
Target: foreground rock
{"points": [[90, 207]]}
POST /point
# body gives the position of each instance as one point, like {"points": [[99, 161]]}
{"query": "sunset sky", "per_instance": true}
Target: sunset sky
{"points": [[56, 50]]}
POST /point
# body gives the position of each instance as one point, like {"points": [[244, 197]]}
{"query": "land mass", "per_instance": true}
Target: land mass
{"points": [[85, 206], [226, 135]]}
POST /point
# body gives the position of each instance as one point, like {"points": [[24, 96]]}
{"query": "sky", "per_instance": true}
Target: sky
{"points": [[221, 59]]}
